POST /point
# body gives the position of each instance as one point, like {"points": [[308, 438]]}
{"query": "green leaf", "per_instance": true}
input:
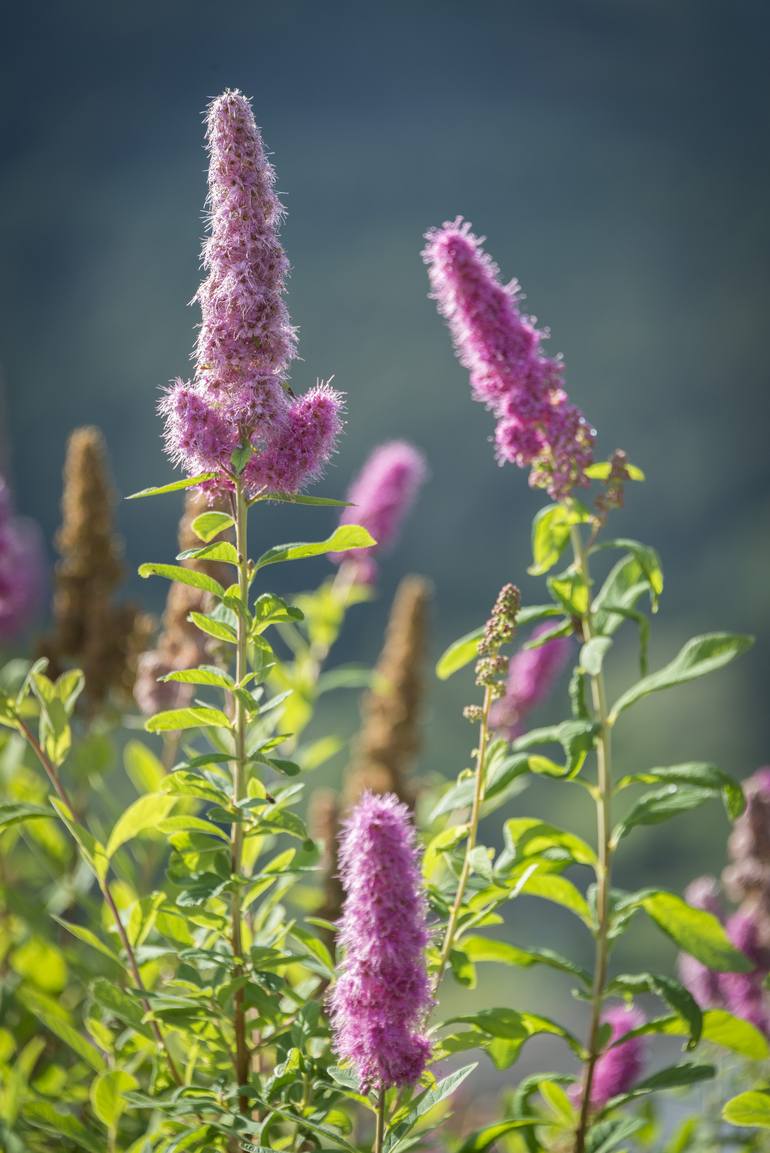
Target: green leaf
{"points": [[729, 1032], [483, 1139], [112, 998], [571, 591], [484, 949], [661, 804], [145, 813], [221, 550], [214, 628], [300, 498], [529, 836], [143, 767], [87, 937], [552, 887], [671, 991], [183, 575], [398, 1132], [551, 533], [648, 561], [623, 587], [459, 654], [207, 525], [695, 931], [593, 653], [175, 486], [698, 773], [107, 1095], [16, 812], [45, 1116], [700, 656], [203, 675], [173, 720], [58, 1021], [345, 538], [750, 1109], [673, 1077]]}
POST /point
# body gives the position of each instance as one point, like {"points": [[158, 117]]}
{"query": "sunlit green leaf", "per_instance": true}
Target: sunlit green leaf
{"points": [[749, 1109], [195, 717], [183, 575], [143, 814], [700, 656], [459, 654], [695, 931], [209, 524], [345, 538], [175, 486]]}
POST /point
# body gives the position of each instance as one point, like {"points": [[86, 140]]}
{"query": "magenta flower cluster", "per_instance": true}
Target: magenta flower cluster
{"points": [[531, 676], [238, 401], [380, 498], [537, 426], [382, 995], [621, 1063], [746, 881], [22, 568]]}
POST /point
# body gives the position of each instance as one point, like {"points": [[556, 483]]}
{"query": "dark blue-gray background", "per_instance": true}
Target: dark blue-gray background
{"points": [[614, 152]]}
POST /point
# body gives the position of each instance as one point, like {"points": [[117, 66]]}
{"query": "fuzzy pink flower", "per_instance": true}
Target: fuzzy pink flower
{"points": [[237, 399], [382, 995], [380, 498], [537, 427], [531, 677], [22, 568], [301, 445], [619, 1066]]}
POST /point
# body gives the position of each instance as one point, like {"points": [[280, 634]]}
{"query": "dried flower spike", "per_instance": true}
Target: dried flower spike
{"points": [[382, 995], [390, 735], [90, 629]]}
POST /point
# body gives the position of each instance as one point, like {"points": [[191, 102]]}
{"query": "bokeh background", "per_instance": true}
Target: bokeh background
{"points": [[614, 152]]}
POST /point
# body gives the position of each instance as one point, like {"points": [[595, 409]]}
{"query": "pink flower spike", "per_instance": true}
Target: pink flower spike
{"points": [[537, 427], [381, 998], [22, 569], [381, 497], [532, 674], [619, 1066]]}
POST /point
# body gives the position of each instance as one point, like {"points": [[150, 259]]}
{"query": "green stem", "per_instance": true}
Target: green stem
{"points": [[470, 844], [380, 1127], [603, 795], [53, 776], [242, 1056]]}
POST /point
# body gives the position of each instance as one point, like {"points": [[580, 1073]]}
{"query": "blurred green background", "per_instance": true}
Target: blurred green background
{"points": [[615, 154]]}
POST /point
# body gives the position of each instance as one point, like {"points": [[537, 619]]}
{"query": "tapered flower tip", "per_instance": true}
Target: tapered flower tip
{"points": [[380, 498]]}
